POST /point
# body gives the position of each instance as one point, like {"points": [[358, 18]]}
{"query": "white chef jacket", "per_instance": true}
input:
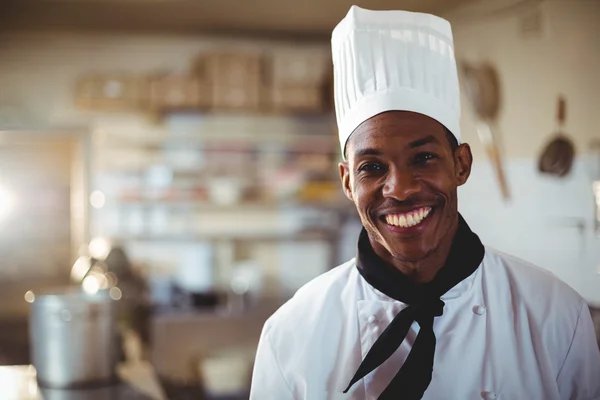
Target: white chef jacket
{"points": [[509, 331]]}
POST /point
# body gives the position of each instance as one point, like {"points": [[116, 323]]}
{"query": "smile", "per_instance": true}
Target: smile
{"points": [[409, 219]]}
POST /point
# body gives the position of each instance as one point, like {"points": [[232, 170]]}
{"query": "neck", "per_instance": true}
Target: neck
{"points": [[422, 270]]}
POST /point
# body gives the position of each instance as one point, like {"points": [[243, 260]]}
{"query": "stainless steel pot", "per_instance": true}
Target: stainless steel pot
{"points": [[73, 337]]}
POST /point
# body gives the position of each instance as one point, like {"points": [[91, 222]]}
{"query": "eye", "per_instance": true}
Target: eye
{"points": [[371, 167], [424, 157]]}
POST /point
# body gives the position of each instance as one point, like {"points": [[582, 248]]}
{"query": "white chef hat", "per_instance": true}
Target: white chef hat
{"points": [[394, 60]]}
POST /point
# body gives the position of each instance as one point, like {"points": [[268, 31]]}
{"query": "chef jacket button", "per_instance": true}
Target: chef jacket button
{"points": [[372, 319], [489, 395], [479, 310]]}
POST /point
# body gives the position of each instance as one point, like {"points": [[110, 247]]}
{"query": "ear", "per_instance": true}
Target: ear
{"points": [[345, 178], [463, 160]]}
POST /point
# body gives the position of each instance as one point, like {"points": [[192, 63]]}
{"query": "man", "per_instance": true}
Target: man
{"points": [[424, 310]]}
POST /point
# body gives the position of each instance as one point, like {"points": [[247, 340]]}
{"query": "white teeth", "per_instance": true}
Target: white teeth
{"points": [[402, 221], [409, 219]]}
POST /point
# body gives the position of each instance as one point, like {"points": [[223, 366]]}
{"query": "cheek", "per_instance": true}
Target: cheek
{"points": [[364, 195], [441, 181]]}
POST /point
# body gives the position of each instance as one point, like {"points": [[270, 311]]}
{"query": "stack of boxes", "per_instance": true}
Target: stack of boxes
{"points": [[289, 80], [234, 78], [298, 81], [178, 92]]}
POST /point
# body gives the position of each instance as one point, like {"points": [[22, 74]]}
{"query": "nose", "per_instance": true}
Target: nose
{"points": [[401, 184]]}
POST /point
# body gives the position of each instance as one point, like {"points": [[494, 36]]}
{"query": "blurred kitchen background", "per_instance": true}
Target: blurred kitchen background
{"points": [[182, 156]]}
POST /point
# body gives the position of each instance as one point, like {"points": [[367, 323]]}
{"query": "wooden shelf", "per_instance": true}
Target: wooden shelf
{"points": [[224, 111], [225, 127], [309, 143], [204, 206], [300, 236]]}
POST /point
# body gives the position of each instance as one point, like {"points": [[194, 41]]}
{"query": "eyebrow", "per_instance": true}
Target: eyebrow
{"points": [[367, 152], [423, 141]]}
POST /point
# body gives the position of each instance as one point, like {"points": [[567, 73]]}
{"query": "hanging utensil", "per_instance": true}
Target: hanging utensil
{"points": [[482, 85], [557, 157]]}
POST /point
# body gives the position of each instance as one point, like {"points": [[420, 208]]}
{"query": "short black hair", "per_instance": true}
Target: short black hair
{"points": [[449, 137]]}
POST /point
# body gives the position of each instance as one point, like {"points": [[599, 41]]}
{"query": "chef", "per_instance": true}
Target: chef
{"points": [[424, 310]]}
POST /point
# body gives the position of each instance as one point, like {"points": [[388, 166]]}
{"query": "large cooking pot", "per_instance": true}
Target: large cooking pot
{"points": [[73, 338]]}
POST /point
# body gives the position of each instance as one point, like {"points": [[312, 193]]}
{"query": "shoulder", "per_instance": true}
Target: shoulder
{"points": [[310, 337], [532, 287], [319, 316]]}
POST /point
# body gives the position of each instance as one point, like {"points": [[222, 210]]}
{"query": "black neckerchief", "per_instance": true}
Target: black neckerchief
{"points": [[424, 303]]}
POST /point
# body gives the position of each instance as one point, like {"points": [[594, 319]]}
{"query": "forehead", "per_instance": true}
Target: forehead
{"points": [[395, 127]]}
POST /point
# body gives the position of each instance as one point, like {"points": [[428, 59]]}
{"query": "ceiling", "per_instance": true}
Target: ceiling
{"points": [[309, 18]]}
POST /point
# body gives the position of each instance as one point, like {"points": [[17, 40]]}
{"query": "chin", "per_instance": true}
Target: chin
{"points": [[410, 256]]}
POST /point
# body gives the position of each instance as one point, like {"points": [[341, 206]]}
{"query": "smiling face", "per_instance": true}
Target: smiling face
{"points": [[402, 174]]}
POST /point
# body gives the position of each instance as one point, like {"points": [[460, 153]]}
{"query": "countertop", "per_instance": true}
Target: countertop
{"points": [[138, 382]]}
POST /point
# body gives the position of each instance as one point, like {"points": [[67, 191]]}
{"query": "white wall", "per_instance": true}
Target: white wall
{"points": [[534, 69], [547, 222], [537, 224]]}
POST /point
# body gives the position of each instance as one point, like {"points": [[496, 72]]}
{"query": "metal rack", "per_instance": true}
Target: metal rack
{"points": [[177, 207]]}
